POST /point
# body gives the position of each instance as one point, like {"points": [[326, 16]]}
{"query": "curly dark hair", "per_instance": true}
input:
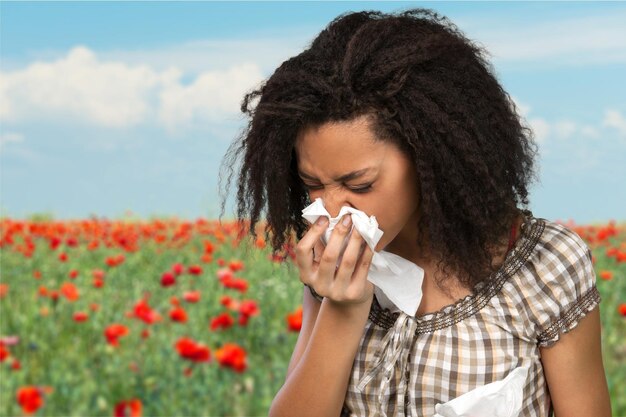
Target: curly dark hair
{"points": [[430, 91]]}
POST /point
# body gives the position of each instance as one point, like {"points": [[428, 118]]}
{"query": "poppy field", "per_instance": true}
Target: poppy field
{"points": [[169, 317]]}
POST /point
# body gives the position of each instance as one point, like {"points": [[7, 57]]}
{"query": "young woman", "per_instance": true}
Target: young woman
{"points": [[400, 116]]}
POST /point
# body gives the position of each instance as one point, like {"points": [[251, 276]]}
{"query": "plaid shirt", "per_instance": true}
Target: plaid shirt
{"points": [[405, 365]]}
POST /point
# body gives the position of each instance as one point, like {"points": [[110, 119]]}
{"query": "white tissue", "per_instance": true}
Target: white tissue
{"points": [[498, 399], [397, 281]]}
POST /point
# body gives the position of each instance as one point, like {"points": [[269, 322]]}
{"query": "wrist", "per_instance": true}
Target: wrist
{"points": [[351, 310]]}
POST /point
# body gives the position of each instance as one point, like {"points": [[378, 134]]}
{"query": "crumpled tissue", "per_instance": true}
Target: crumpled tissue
{"points": [[497, 399], [397, 281]]}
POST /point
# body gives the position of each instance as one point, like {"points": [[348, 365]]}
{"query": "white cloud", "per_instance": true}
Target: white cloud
{"points": [[569, 129], [523, 108], [570, 41], [540, 128], [212, 96], [195, 57], [614, 119], [81, 87], [589, 132], [564, 129]]}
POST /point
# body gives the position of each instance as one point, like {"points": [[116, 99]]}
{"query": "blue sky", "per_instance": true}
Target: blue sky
{"points": [[113, 106]]}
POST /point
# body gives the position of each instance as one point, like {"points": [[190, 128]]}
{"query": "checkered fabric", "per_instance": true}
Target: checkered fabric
{"points": [[405, 365]]}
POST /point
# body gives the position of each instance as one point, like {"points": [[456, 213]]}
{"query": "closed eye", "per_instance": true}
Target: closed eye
{"points": [[359, 190]]}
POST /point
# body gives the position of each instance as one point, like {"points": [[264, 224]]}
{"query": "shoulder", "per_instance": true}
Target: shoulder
{"points": [[562, 244], [561, 262], [558, 281]]}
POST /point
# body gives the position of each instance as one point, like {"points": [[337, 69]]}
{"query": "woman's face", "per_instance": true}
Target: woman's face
{"points": [[383, 181]]}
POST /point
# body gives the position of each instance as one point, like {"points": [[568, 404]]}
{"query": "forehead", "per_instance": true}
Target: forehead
{"points": [[334, 147]]}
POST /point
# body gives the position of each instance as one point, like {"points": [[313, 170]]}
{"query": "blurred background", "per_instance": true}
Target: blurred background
{"points": [[116, 111], [116, 108]]}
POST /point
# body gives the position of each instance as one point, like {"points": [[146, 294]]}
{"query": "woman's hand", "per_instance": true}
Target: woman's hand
{"points": [[345, 284]]}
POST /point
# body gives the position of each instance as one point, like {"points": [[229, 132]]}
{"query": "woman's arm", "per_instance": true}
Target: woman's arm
{"points": [[575, 373], [318, 382], [319, 370], [310, 308]]}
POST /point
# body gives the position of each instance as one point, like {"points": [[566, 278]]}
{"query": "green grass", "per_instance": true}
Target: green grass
{"points": [[89, 376]]}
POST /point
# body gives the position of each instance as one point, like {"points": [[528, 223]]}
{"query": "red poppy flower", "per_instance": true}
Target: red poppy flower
{"points": [[233, 356], [243, 320], [97, 273], [622, 309], [70, 291], [63, 257], [115, 260], [80, 316], [43, 291], [73, 274], [128, 408], [16, 365], [54, 242], [113, 332], [30, 399], [259, 242], [178, 314], [222, 321], [606, 275], [4, 290], [98, 282], [249, 308], [178, 269], [188, 349], [4, 352], [195, 270], [208, 247], [191, 296], [167, 279], [224, 273], [238, 284], [235, 265], [144, 312], [294, 320], [229, 303]]}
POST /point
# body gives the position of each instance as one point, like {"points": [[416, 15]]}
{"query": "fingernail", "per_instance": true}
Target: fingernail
{"points": [[346, 220], [322, 220]]}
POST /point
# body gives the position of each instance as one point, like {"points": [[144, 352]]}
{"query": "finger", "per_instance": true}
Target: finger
{"points": [[348, 263], [359, 283], [304, 248], [318, 250], [328, 263]]}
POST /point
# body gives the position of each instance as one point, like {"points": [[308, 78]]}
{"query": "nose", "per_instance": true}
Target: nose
{"points": [[334, 201]]}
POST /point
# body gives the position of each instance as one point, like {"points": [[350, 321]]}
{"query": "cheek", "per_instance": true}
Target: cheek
{"points": [[393, 218]]}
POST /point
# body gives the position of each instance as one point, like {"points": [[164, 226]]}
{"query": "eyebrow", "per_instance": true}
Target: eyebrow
{"points": [[347, 177]]}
